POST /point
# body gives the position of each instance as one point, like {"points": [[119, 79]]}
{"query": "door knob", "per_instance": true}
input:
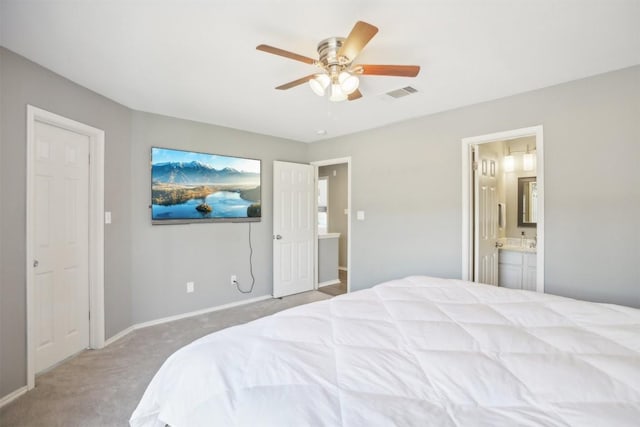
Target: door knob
{"points": [[278, 237], [35, 263]]}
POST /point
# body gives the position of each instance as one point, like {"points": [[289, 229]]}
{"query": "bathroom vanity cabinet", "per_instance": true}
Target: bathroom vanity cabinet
{"points": [[517, 269]]}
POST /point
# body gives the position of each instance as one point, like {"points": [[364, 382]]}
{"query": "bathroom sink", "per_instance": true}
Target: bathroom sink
{"points": [[516, 244]]}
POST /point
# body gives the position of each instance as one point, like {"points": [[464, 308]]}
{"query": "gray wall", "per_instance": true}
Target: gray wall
{"points": [[407, 179], [165, 257], [338, 202], [22, 82], [145, 267], [6, 332]]}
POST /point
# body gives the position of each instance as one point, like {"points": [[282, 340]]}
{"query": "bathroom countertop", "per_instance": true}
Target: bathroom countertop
{"points": [[328, 235], [518, 249], [517, 244]]}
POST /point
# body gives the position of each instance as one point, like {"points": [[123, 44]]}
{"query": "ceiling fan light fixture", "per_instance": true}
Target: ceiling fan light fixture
{"points": [[319, 84], [337, 93], [348, 82]]}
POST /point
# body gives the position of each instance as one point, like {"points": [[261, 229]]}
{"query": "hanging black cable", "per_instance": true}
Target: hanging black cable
{"points": [[253, 279]]}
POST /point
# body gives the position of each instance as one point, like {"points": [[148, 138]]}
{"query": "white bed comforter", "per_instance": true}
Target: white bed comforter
{"points": [[418, 351]]}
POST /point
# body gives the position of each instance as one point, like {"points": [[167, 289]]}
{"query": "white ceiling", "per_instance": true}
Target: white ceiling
{"points": [[197, 59]]}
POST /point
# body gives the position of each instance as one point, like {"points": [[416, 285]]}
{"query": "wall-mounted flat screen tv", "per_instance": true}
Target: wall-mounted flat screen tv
{"points": [[187, 186]]}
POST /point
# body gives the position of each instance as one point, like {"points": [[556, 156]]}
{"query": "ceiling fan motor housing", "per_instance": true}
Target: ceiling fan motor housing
{"points": [[328, 53]]}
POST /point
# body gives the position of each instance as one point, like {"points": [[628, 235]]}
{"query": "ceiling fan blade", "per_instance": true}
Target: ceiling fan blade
{"points": [[296, 82], [286, 54], [357, 40], [355, 95], [389, 70]]}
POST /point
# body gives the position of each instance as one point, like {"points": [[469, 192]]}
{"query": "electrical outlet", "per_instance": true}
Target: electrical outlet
{"points": [[190, 287], [234, 279]]}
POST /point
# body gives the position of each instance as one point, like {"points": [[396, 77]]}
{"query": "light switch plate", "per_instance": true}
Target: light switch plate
{"points": [[107, 217], [360, 215]]}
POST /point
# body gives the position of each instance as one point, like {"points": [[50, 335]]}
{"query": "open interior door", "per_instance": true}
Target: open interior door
{"points": [[486, 218], [293, 228]]}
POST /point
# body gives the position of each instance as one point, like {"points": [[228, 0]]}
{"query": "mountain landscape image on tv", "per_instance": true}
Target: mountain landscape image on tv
{"points": [[187, 186]]}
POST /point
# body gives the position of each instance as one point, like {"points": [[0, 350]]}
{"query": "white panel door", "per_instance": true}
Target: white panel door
{"points": [[486, 220], [293, 228], [61, 240]]}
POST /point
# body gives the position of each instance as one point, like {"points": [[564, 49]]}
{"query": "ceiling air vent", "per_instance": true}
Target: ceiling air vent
{"points": [[405, 91]]}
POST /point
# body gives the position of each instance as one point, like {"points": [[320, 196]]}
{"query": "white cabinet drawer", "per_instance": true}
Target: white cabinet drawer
{"points": [[510, 257]]}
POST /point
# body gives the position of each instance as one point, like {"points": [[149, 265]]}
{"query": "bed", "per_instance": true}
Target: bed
{"points": [[414, 351]]}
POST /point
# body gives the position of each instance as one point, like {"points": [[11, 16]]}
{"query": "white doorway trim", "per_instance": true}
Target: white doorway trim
{"points": [[467, 214], [316, 166], [96, 229]]}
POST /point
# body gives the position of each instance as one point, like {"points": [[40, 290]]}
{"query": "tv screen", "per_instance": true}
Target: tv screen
{"points": [[187, 186]]}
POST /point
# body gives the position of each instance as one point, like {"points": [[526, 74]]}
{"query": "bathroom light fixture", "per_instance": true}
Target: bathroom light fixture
{"points": [[509, 163], [527, 161]]}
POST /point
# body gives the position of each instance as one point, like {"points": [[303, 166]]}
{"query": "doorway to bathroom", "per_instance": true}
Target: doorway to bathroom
{"points": [[503, 209], [333, 224]]}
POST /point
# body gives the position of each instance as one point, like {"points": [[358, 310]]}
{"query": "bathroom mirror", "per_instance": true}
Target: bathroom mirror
{"points": [[527, 202]]}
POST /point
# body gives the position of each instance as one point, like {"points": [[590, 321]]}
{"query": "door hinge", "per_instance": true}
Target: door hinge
{"points": [[89, 315], [475, 166]]}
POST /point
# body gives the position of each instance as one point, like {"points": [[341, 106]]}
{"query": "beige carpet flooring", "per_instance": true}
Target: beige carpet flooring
{"points": [[338, 288], [103, 387]]}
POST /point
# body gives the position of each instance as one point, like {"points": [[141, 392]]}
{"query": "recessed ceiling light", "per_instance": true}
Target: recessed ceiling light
{"points": [[321, 132]]}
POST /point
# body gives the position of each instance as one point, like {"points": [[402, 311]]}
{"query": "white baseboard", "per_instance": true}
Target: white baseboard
{"points": [[329, 282], [198, 312], [343, 268], [5, 400], [119, 335], [130, 329]]}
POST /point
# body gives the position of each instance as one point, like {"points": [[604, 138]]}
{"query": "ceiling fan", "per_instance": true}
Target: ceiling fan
{"points": [[337, 72]]}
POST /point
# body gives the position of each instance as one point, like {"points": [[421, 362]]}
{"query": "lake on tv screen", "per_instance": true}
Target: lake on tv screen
{"points": [[224, 204]]}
